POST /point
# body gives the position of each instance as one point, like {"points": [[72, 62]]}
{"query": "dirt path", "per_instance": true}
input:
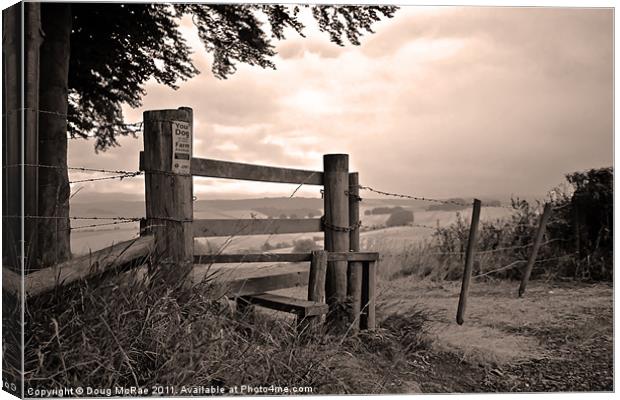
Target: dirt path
{"points": [[559, 337]]}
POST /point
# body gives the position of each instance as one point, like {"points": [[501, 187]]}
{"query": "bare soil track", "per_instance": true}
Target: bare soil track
{"points": [[559, 337]]}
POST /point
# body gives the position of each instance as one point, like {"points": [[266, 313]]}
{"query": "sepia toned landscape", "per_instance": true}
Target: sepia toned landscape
{"points": [[260, 199]]}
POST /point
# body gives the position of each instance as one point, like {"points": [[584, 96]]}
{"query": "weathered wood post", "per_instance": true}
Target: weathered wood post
{"points": [[544, 218], [469, 261], [336, 226], [316, 289], [369, 283], [354, 271], [166, 161]]}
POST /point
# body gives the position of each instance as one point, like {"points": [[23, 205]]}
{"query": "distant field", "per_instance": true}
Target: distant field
{"points": [[84, 241]]}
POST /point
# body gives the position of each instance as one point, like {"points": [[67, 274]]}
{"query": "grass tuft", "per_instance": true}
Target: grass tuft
{"points": [[128, 331]]}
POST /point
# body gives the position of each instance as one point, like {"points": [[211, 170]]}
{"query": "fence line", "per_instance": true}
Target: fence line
{"points": [[119, 177], [138, 124], [83, 169], [428, 199]]}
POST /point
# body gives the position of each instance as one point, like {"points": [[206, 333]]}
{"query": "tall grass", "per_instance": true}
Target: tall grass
{"points": [[128, 331], [502, 249]]}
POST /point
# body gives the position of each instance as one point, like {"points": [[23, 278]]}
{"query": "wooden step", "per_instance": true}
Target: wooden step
{"points": [[303, 308]]}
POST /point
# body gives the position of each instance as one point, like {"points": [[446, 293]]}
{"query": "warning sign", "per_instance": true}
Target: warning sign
{"points": [[181, 147]]}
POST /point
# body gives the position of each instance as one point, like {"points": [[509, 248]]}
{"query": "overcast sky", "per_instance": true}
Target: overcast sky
{"points": [[440, 101]]}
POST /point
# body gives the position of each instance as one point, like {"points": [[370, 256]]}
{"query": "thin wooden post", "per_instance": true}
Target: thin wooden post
{"points": [[369, 282], [316, 279], [354, 271], [167, 155], [316, 289], [336, 225], [544, 218], [469, 261]]}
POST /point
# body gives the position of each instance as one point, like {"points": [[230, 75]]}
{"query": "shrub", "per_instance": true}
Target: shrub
{"points": [[383, 210], [584, 207], [399, 217]]}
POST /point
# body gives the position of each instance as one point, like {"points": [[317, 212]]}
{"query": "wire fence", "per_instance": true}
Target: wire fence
{"points": [[131, 127], [428, 199], [118, 174]]}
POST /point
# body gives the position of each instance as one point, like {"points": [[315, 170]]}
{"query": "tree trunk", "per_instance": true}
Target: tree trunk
{"points": [[11, 137], [54, 244]]}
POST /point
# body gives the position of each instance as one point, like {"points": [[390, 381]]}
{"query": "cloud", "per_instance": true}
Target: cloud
{"points": [[298, 48], [441, 101]]}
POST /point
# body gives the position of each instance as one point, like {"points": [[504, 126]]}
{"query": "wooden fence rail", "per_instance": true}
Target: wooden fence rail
{"points": [[249, 172], [169, 166], [112, 258], [243, 227]]}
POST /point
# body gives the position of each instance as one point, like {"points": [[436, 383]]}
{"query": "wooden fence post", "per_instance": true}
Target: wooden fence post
{"points": [[538, 240], [316, 289], [469, 261], [369, 282], [168, 136], [354, 271], [336, 224]]}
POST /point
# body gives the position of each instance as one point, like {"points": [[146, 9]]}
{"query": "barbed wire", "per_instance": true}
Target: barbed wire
{"points": [[120, 177], [428, 199], [121, 174], [103, 224], [301, 184], [83, 169], [17, 110], [72, 217]]}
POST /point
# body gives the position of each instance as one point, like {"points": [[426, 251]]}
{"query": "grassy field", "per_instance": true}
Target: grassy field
{"points": [[559, 337]]}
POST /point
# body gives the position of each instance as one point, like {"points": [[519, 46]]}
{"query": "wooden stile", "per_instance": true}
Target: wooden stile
{"points": [[251, 258], [262, 284], [281, 257], [232, 170], [169, 195], [242, 227], [469, 261], [352, 257], [303, 308]]}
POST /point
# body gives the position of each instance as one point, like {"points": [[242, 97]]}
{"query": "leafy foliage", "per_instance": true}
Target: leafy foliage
{"points": [[116, 48], [584, 221], [578, 241]]}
